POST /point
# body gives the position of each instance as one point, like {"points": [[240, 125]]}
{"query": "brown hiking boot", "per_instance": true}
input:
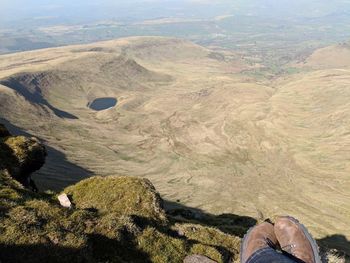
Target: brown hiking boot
{"points": [[294, 239], [258, 237]]}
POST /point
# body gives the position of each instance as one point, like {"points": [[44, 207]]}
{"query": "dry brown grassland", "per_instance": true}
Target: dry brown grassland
{"points": [[192, 122]]}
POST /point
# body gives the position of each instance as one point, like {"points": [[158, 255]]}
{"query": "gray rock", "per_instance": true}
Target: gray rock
{"points": [[64, 201], [198, 259]]}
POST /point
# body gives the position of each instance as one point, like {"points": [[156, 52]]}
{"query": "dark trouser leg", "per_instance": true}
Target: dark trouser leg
{"points": [[269, 255]]}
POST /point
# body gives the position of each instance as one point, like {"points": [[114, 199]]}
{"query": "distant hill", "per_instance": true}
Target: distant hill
{"points": [[337, 56]]}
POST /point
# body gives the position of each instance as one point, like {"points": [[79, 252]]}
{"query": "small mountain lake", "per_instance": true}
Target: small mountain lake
{"points": [[102, 103]]}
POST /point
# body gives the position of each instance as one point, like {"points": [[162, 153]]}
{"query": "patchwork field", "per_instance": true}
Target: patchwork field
{"points": [[196, 122]]}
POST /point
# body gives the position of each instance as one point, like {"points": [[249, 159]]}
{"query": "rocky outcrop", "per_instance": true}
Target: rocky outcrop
{"points": [[21, 156], [125, 195]]}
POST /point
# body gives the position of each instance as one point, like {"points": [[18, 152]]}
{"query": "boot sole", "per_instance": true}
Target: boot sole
{"points": [[314, 246]]}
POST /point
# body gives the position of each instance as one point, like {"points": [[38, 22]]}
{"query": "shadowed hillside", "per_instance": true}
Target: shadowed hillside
{"points": [[32, 86]]}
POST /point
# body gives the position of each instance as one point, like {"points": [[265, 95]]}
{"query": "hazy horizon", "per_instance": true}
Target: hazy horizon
{"points": [[88, 10], [29, 25]]}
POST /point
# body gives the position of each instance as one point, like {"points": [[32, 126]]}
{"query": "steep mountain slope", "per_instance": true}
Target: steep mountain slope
{"points": [[188, 119]]}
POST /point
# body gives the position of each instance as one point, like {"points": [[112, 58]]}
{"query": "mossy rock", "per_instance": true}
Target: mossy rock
{"points": [[29, 152], [21, 156], [126, 196]]}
